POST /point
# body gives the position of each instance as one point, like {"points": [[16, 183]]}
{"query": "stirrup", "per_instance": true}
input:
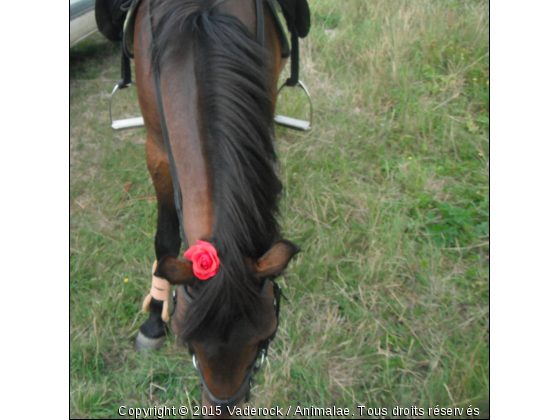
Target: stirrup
{"points": [[294, 123], [126, 123]]}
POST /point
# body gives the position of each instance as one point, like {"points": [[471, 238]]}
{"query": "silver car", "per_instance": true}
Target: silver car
{"points": [[82, 20]]}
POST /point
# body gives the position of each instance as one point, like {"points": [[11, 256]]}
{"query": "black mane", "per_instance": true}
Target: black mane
{"points": [[236, 111]]}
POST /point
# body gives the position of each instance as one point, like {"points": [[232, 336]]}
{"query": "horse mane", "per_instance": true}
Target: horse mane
{"points": [[236, 114]]}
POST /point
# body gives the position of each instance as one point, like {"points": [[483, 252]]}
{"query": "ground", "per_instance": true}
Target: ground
{"points": [[388, 302]]}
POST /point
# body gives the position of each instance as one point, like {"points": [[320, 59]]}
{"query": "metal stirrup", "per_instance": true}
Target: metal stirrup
{"points": [[294, 123], [126, 123]]}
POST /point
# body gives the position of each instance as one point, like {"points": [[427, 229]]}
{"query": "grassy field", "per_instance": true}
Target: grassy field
{"points": [[387, 196]]}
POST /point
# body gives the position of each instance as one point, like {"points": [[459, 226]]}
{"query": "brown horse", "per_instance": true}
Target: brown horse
{"points": [[218, 94]]}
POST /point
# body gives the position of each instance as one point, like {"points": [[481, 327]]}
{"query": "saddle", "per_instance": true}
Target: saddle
{"points": [[116, 19], [110, 17]]}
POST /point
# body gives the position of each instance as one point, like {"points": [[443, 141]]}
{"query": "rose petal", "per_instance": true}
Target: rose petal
{"points": [[197, 253], [189, 252]]}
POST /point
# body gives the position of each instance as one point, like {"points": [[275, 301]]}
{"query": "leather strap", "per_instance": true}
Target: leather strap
{"points": [[260, 21], [131, 7], [172, 166], [294, 61], [126, 72]]}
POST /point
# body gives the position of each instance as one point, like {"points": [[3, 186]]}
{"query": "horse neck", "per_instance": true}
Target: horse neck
{"points": [[221, 120]]}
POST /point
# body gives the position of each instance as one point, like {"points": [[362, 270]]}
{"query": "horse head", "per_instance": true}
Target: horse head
{"points": [[228, 348]]}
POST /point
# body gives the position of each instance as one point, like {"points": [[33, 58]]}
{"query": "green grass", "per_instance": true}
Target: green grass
{"points": [[387, 196]]}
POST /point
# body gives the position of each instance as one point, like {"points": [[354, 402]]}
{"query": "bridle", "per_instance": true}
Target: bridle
{"points": [[243, 393]]}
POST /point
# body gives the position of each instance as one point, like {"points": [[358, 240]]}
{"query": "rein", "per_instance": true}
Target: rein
{"points": [[173, 168], [245, 388]]}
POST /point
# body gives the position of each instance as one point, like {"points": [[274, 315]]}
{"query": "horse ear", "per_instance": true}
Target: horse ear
{"points": [[175, 271], [276, 259]]}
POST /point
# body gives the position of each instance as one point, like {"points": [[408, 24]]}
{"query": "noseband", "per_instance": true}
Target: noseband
{"points": [[244, 390]]}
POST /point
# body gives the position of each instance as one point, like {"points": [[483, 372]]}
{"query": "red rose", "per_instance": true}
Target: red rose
{"points": [[205, 261]]}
